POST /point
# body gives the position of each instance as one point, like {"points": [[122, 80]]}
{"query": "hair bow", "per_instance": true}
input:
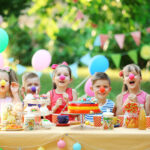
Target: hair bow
{"points": [[121, 73], [6, 68], [54, 66]]}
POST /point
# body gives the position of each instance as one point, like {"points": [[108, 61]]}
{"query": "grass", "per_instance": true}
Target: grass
{"points": [[116, 82]]}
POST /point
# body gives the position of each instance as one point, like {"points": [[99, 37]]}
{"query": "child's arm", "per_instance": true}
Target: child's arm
{"points": [[147, 105], [119, 105], [74, 94], [58, 103], [15, 92]]}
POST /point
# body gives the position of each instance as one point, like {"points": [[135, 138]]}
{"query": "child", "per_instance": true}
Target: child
{"points": [[101, 88], [61, 93], [30, 84], [9, 87], [131, 91]]}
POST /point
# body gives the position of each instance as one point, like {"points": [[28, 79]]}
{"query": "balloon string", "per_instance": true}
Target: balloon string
{"points": [[79, 85]]}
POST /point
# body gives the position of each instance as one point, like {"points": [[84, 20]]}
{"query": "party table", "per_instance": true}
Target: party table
{"points": [[89, 138]]}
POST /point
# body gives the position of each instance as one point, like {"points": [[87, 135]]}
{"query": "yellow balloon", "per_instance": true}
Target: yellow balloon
{"points": [[145, 52], [41, 148]]}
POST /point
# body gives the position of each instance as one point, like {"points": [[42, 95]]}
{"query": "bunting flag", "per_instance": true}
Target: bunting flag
{"points": [[39, 74], [120, 40], [20, 69], [103, 39], [75, 1], [50, 74], [148, 30], [133, 55], [137, 37], [97, 41], [116, 58], [11, 59], [79, 15], [74, 68], [85, 59]]}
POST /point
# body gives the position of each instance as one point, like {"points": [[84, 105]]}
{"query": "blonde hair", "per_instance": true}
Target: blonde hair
{"points": [[28, 75], [130, 67], [100, 76]]}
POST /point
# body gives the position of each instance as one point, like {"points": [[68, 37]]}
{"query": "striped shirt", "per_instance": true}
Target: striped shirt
{"points": [[108, 105]]}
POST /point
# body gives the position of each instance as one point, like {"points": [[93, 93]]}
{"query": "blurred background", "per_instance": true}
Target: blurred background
{"points": [[76, 30]]}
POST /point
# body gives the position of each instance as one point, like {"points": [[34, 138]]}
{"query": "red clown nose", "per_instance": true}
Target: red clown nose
{"points": [[102, 89], [62, 77], [131, 76]]}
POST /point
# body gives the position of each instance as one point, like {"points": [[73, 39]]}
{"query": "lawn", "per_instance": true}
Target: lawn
{"points": [[116, 82]]}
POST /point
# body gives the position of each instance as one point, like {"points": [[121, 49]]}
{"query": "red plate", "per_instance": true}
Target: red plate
{"points": [[61, 124]]}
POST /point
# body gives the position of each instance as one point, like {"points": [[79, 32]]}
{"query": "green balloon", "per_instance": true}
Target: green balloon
{"points": [[1, 149], [3, 40]]}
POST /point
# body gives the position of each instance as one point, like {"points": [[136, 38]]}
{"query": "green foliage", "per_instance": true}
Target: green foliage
{"points": [[24, 42], [13, 7]]}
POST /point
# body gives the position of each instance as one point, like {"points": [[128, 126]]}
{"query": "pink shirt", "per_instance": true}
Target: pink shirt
{"points": [[4, 101], [141, 97]]}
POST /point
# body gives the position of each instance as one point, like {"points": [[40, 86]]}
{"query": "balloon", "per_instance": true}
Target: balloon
{"points": [[41, 148], [145, 52], [41, 60], [1, 61], [77, 146], [98, 63], [3, 40], [87, 89], [61, 144]]}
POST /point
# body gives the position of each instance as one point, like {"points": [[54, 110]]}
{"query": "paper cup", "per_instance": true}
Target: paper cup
{"points": [[148, 121], [97, 121], [121, 118], [54, 118]]}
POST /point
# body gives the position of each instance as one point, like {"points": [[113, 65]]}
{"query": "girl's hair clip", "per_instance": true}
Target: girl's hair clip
{"points": [[6, 68], [54, 66], [121, 73]]}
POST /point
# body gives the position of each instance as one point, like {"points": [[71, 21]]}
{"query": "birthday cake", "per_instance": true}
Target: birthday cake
{"points": [[83, 106]]}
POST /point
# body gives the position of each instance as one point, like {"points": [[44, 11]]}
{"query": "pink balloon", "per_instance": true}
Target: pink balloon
{"points": [[1, 61], [61, 144], [41, 60], [87, 89]]}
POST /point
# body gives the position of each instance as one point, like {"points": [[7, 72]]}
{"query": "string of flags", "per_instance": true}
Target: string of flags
{"points": [[101, 39]]}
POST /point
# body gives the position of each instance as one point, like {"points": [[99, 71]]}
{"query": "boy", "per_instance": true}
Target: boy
{"points": [[101, 88], [30, 84]]}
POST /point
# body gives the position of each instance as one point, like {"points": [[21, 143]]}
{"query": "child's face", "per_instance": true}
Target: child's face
{"points": [[131, 83], [32, 82], [62, 71], [97, 85], [4, 88]]}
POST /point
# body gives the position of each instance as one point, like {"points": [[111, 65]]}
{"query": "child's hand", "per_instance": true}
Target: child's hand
{"points": [[65, 96], [59, 102], [14, 88], [132, 98]]}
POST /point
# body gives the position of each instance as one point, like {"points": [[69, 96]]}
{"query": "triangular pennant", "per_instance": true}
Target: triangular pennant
{"points": [[120, 40], [39, 74], [116, 59], [74, 68], [97, 41], [11, 59], [103, 39], [20, 69], [137, 37], [86, 59], [148, 30], [133, 55], [79, 15]]}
